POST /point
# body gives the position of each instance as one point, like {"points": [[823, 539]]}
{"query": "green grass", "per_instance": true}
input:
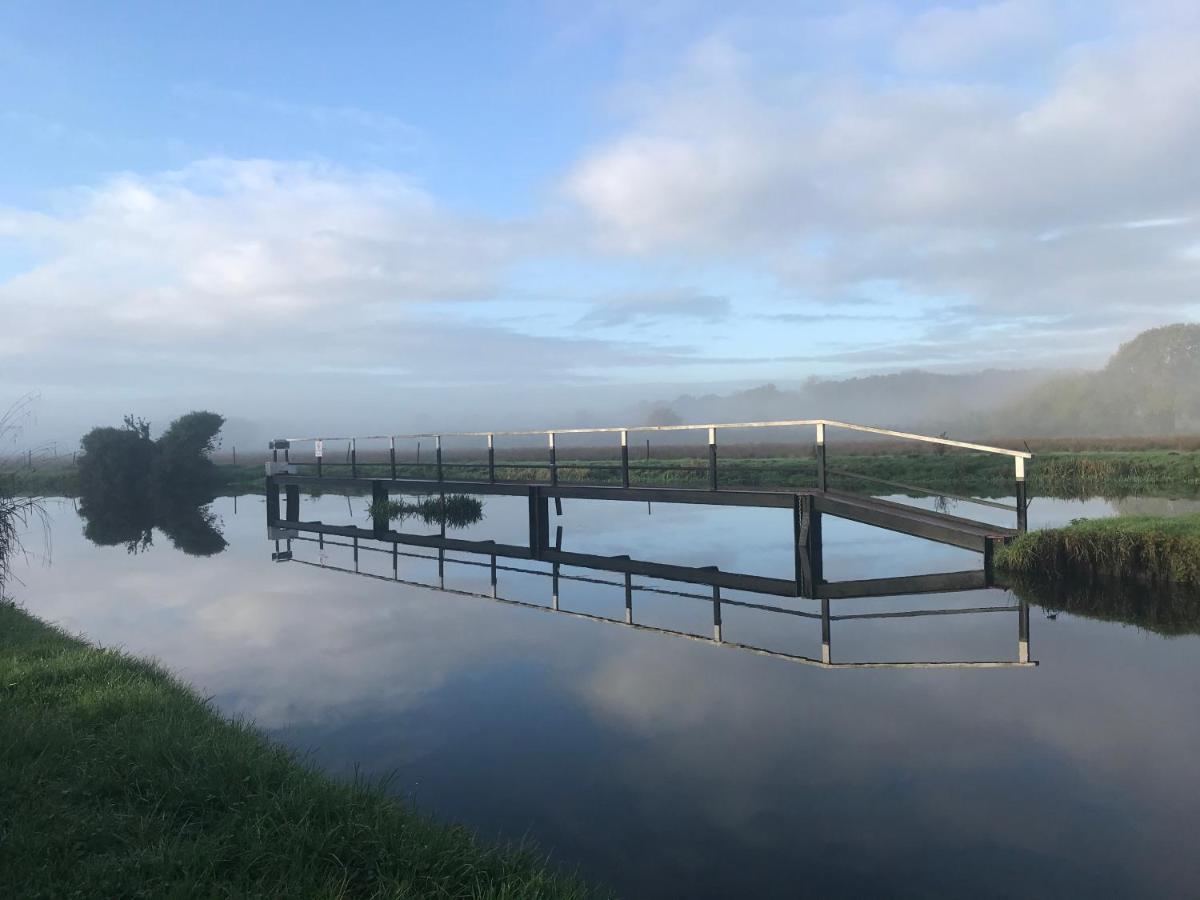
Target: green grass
{"points": [[1152, 549], [118, 781], [456, 510], [1055, 474], [987, 475]]}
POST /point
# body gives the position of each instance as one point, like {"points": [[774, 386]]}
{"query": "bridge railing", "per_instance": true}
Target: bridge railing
{"points": [[624, 467]]}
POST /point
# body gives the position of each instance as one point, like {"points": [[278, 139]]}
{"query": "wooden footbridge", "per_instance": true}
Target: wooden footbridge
{"points": [[301, 463]]}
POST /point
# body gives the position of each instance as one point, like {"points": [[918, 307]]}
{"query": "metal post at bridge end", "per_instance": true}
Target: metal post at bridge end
{"points": [[392, 454], [553, 462], [353, 458], [437, 444], [712, 459], [491, 438], [624, 458], [821, 482], [1022, 495]]}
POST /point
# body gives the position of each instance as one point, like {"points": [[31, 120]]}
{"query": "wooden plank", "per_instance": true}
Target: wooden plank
{"points": [[945, 582]]}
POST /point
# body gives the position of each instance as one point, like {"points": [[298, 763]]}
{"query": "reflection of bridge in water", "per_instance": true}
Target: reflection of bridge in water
{"points": [[538, 483], [294, 535]]}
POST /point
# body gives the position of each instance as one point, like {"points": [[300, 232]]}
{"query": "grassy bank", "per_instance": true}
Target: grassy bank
{"points": [[1150, 549], [119, 781], [1162, 609], [1054, 475], [1082, 474]]}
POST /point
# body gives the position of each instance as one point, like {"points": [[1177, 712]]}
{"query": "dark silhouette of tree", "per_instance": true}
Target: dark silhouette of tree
{"points": [[131, 484]]}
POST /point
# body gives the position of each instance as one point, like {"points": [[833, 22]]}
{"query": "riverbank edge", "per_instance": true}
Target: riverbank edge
{"points": [[1063, 475], [120, 781], [1150, 549]]}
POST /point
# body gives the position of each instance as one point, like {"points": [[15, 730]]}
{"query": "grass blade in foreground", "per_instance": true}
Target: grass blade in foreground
{"points": [[119, 781]]}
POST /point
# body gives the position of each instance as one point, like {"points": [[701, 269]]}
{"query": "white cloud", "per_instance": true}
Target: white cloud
{"points": [[942, 186], [225, 242], [948, 37]]}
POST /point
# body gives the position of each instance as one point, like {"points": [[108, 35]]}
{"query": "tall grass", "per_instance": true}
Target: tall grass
{"points": [[1058, 474], [118, 781], [1150, 549], [19, 510], [455, 510]]}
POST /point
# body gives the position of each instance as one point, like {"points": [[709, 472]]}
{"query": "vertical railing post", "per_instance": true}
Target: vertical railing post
{"points": [[392, 454], [554, 586], [553, 462], [353, 458], [274, 452], [716, 594], [1022, 496], [318, 452], [821, 482], [437, 444], [293, 502], [492, 458], [624, 458], [628, 598], [712, 459]]}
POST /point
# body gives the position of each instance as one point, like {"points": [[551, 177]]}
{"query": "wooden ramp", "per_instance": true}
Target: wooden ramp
{"points": [[923, 523]]}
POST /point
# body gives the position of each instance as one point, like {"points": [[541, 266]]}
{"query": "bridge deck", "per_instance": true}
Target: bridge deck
{"points": [[931, 525]]}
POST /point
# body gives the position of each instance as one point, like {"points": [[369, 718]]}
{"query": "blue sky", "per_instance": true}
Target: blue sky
{"points": [[473, 206]]}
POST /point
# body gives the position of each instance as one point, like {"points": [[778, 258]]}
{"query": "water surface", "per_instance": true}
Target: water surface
{"points": [[671, 767]]}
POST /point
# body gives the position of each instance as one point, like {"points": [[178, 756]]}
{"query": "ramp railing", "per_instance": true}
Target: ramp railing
{"points": [[376, 464]]}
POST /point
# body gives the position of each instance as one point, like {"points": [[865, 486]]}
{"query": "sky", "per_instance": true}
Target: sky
{"points": [[379, 216]]}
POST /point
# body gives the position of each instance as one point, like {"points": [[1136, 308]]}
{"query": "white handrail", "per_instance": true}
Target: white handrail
{"points": [[829, 423]]}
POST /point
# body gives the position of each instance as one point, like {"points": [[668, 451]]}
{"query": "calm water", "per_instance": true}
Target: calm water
{"points": [[669, 767]]}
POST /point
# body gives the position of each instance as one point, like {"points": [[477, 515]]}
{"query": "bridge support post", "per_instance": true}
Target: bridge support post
{"points": [[821, 483], [293, 503], [379, 511], [272, 501], [392, 455], [1022, 497], [492, 458], [553, 461], [437, 443], [539, 523], [806, 525]]}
